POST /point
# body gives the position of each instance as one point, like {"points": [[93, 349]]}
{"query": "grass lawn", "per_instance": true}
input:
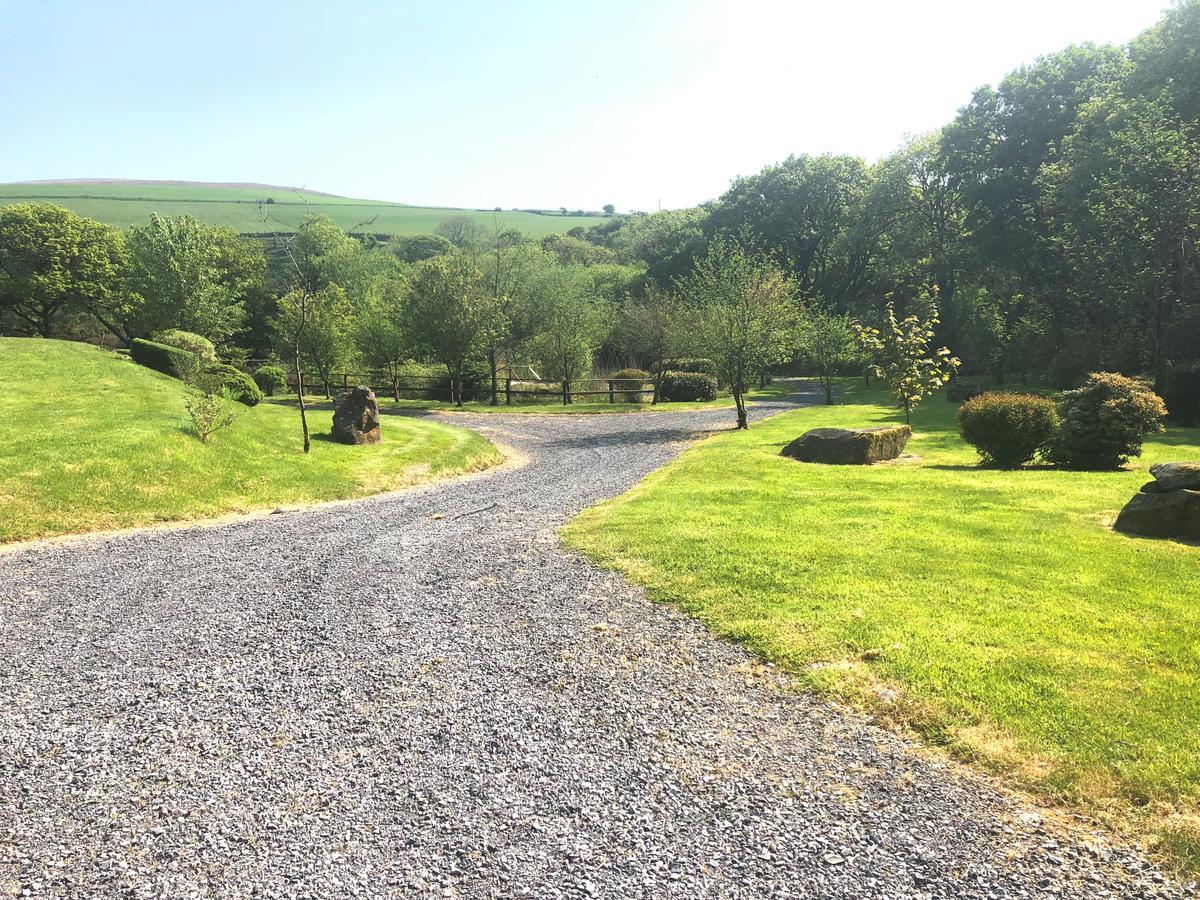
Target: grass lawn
{"points": [[995, 613], [90, 440], [387, 404], [123, 205]]}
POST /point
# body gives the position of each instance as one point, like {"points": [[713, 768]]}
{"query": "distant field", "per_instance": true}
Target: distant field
{"points": [[125, 204]]}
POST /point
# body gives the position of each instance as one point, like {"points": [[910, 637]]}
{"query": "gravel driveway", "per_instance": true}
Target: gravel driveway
{"points": [[423, 695]]}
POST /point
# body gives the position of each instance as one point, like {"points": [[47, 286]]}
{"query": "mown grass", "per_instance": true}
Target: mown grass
{"points": [[123, 205], [996, 613], [90, 440]]}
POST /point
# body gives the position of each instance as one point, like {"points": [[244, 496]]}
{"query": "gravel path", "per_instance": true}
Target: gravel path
{"points": [[423, 695]]}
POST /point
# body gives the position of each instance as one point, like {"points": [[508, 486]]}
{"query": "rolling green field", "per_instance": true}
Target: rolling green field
{"points": [[90, 440], [123, 204], [995, 613]]}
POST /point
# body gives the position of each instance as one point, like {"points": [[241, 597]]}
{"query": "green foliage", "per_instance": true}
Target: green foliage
{"points": [[321, 323], [236, 385], [901, 354], [1182, 394], [415, 248], [630, 382], [271, 380], [173, 361], [745, 314], [828, 348], [1008, 430], [572, 323], [695, 364], [464, 232], [1105, 421], [687, 386], [53, 262], [201, 346], [209, 412]]}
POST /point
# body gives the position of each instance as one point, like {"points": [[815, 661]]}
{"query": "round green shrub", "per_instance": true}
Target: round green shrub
{"points": [[629, 382], [1008, 430], [186, 340], [1105, 421], [687, 387], [270, 379], [240, 385]]}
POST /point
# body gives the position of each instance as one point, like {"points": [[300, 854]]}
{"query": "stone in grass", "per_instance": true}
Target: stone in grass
{"points": [[962, 391], [1169, 514], [849, 446], [1174, 476], [356, 417]]}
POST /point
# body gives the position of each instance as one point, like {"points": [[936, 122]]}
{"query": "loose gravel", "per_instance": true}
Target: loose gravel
{"points": [[423, 695]]}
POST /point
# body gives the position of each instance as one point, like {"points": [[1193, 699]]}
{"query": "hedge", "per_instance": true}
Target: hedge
{"points": [[1008, 430], [629, 382], [240, 385], [163, 358], [698, 364], [687, 386], [270, 379], [186, 340]]}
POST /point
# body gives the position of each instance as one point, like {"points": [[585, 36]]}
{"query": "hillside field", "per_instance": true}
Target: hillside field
{"points": [[116, 451], [123, 204]]}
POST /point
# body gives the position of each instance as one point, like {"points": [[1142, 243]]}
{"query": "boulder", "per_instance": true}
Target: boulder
{"points": [[356, 417], [962, 391], [849, 446], [1169, 514], [1174, 476]]}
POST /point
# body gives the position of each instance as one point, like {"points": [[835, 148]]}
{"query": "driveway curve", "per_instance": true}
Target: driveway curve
{"points": [[423, 695]]}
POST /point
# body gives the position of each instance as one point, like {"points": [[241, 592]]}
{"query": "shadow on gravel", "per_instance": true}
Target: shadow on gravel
{"points": [[633, 437]]}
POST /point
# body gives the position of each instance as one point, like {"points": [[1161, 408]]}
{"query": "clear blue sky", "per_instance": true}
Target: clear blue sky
{"points": [[543, 103]]}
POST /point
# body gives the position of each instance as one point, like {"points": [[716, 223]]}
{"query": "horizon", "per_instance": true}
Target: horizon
{"points": [[537, 108]]}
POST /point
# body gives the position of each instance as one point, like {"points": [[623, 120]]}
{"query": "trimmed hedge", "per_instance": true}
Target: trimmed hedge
{"points": [[270, 379], [1008, 430], [163, 358], [687, 386], [186, 340], [240, 385], [629, 382], [1105, 421], [698, 364]]}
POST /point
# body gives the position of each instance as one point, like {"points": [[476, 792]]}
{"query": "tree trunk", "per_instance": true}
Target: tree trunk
{"points": [[827, 383], [456, 389], [739, 400], [300, 399], [491, 355]]}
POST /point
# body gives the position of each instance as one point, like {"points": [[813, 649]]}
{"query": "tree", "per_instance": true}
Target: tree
{"points": [[53, 261], [415, 248], [191, 276], [380, 335], [573, 323], [746, 313], [609, 209], [901, 353], [656, 329], [463, 232], [508, 272], [450, 314], [828, 347], [320, 324]]}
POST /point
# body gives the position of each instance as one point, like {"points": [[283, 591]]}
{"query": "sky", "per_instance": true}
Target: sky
{"points": [[546, 103]]}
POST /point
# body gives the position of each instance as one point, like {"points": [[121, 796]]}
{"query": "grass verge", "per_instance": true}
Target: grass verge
{"points": [[90, 440], [995, 613]]}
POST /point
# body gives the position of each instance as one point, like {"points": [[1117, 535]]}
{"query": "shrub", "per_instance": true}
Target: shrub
{"points": [[186, 340], [687, 386], [1105, 421], [703, 366], [270, 379], [170, 360], [1008, 430], [209, 412], [630, 383], [237, 384]]}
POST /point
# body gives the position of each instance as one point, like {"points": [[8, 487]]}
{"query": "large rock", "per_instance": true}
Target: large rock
{"points": [[962, 391], [356, 417], [1175, 476], [849, 446], [1170, 514]]}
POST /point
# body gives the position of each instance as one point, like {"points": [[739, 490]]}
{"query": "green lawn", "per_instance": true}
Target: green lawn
{"points": [[994, 612], [123, 205], [90, 440]]}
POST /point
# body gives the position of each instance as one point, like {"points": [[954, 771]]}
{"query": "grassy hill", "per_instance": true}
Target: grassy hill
{"points": [[90, 440], [125, 203]]}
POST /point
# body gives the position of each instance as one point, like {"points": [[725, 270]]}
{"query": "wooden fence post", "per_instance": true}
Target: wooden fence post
{"points": [[610, 391], [345, 382], [508, 391]]}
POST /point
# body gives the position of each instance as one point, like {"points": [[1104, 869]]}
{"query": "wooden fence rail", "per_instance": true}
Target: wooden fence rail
{"points": [[415, 387]]}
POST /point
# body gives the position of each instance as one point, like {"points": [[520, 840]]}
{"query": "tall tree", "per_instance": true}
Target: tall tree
{"points": [[53, 261], [573, 322], [747, 313], [656, 329]]}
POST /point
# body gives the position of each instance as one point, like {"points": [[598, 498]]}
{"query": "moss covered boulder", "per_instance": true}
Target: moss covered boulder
{"points": [[849, 446]]}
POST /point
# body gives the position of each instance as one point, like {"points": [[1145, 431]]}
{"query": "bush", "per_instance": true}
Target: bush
{"points": [[703, 366], [630, 383], [687, 386], [1105, 421], [186, 340], [270, 379], [163, 358], [237, 384], [1008, 430]]}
